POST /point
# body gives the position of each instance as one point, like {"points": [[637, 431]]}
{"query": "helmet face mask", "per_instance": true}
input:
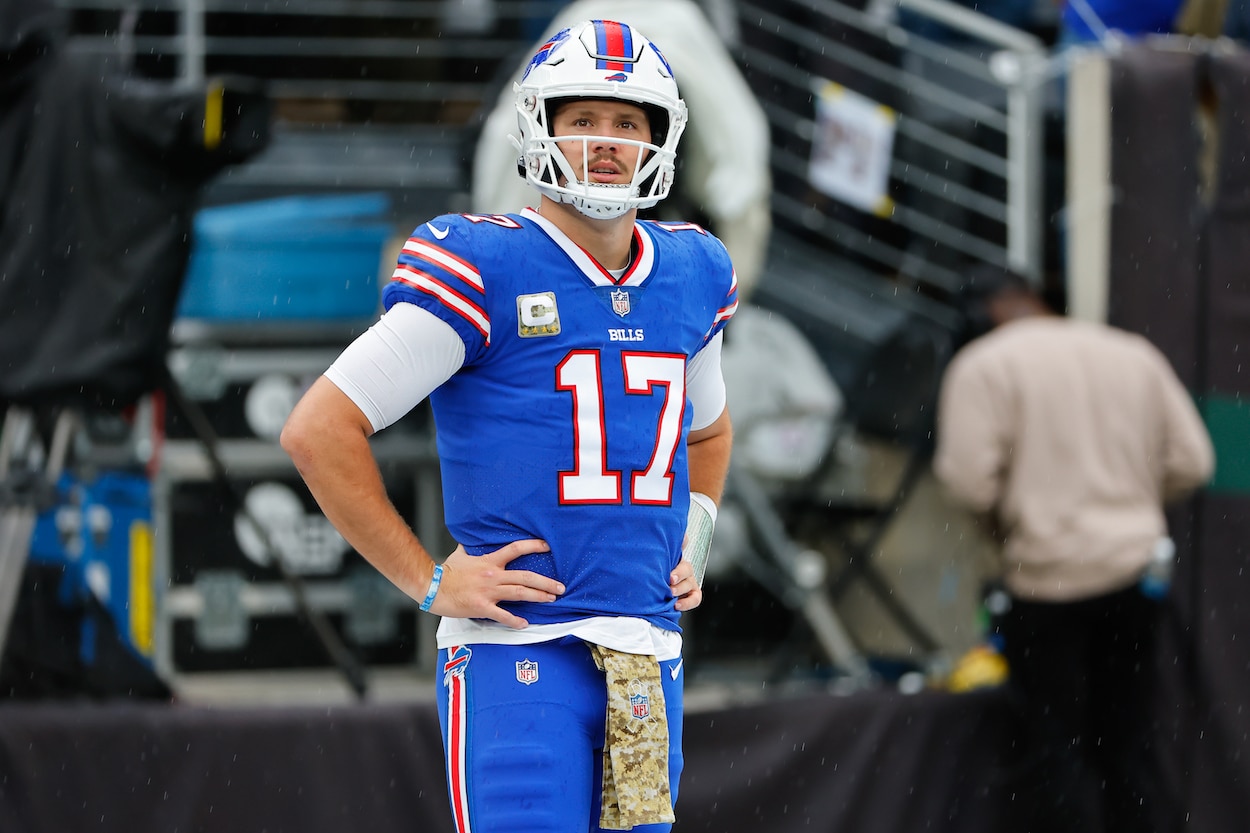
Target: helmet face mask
{"points": [[605, 60]]}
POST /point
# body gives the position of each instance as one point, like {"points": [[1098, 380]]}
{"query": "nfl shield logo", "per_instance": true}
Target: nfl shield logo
{"points": [[641, 704], [620, 302], [527, 672]]}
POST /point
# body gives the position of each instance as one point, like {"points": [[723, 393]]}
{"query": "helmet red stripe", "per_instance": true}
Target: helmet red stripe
{"points": [[611, 37]]}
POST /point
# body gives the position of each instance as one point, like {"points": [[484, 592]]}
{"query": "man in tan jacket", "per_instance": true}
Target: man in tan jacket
{"points": [[1069, 438]]}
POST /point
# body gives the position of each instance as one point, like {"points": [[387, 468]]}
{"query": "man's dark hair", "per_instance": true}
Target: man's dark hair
{"points": [[985, 282]]}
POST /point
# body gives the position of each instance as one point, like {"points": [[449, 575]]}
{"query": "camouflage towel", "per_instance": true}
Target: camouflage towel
{"points": [[635, 747]]}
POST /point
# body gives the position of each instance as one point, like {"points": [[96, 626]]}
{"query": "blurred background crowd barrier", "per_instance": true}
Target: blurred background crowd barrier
{"points": [[256, 166]]}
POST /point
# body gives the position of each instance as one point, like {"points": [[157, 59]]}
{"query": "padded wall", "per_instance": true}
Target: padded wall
{"points": [[1153, 286], [875, 762], [1178, 274], [1219, 604]]}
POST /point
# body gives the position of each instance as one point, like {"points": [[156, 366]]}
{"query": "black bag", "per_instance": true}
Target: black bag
{"points": [[99, 175]]}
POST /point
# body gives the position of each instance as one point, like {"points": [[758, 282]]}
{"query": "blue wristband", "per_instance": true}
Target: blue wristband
{"points": [[435, 581]]}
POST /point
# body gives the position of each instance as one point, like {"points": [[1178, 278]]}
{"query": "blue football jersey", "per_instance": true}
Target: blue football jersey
{"points": [[569, 418]]}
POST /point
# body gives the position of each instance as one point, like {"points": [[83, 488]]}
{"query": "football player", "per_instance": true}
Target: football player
{"points": [[571, 355]]}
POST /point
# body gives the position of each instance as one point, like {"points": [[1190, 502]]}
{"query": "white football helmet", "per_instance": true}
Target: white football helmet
{"points": [[598, 59]]}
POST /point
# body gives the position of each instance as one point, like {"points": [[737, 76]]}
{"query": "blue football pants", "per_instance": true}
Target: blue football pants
{"points": [[523, 729]]}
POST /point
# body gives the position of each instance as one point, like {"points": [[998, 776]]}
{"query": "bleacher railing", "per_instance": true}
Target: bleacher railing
{"points": [[962, 169], [397, 79]]}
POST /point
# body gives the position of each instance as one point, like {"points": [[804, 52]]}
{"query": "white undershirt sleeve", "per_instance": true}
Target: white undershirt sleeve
{"points": [[705, 384], [395, 364]]}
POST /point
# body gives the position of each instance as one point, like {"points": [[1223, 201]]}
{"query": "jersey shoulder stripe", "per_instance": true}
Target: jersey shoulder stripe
{"points": [[437, 270], [448, 295], [417, 250], [731, 302]]}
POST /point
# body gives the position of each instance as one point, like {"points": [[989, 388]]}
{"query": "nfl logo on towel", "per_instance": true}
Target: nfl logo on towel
{"points": [[641, 704], [620, 302], [527, 671]]}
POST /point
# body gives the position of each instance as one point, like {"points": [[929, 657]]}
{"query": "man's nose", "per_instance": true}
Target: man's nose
{"points": [[604, 143]]}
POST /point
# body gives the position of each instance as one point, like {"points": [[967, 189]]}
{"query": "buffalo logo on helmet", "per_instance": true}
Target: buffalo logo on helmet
{"points": [[544, 51]]}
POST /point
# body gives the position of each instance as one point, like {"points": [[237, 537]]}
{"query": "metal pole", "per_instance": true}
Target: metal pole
{"points": [[22, 495], [194, 44], [1024, 162]]}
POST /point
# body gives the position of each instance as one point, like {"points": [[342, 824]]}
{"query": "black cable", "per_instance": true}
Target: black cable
{"points": [[335, 648]]}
